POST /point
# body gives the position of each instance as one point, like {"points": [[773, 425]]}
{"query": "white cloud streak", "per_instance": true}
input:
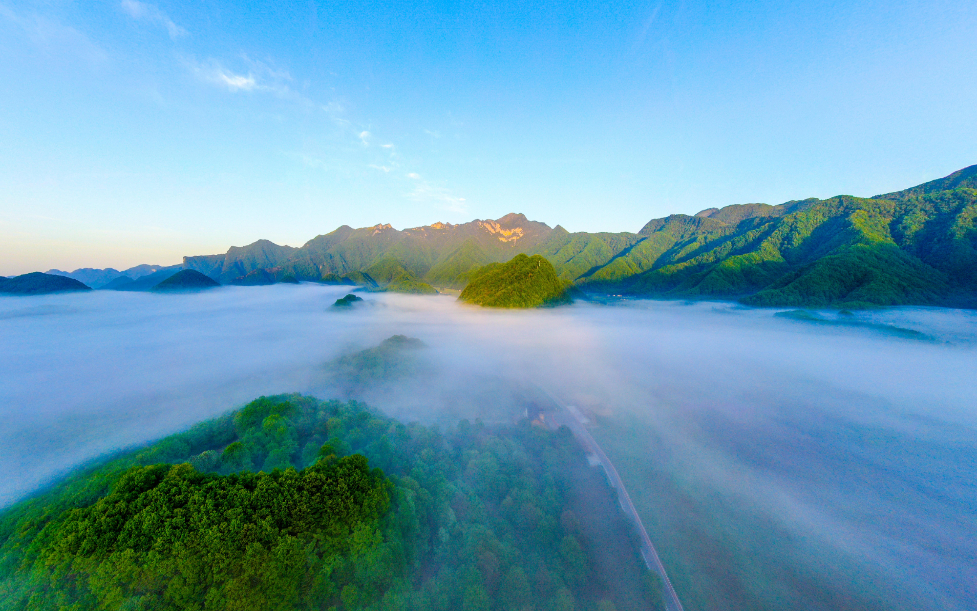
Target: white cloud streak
{"points": [[142, 11], [236, 81], [425, 192], [215, 73]]}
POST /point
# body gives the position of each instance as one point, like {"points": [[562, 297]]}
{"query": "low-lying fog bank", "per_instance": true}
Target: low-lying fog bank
{"points": [[800, 461]]}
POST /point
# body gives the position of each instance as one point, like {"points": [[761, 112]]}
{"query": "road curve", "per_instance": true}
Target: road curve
{"points": [[571, 417]]}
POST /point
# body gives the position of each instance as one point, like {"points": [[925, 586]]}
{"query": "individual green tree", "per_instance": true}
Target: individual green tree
{"points": [[514, 591], [574, 561]]}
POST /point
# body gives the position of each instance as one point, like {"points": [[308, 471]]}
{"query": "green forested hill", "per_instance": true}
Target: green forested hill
{"points": [[843, 251], [297, 504], [916, 246], [523, 282], [239, 261], [36, 283], [185, 280]]}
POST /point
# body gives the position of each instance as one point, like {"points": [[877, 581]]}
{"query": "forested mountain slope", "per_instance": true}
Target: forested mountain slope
{"points": [[239, 261], [283, 505]]}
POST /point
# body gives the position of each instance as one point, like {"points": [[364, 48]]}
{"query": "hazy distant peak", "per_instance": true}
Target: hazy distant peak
{"points": [[263, 243], [707, 212], [146, 269]]}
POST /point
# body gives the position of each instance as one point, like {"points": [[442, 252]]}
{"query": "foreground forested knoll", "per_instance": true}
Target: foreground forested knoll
{"points": [[917, 246], [347, 510]]}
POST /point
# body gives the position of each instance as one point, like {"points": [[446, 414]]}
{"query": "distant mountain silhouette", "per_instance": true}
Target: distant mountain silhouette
{"points": [[37, 283], [186, 280], [143, 283], [95, 278], [113, 279]]}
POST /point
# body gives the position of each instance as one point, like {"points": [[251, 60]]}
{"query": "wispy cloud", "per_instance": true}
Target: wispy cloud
{"points": [[150, 12], [426, 192], [55, 38], [236, 81], [379, 157], [214, 72], [258, 76]]}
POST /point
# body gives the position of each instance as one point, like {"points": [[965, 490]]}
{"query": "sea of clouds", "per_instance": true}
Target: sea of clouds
{"points": [[820, 462]]}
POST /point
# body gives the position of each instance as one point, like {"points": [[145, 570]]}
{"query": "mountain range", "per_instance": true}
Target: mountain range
{"points": [[144, 276], [911, 247]]}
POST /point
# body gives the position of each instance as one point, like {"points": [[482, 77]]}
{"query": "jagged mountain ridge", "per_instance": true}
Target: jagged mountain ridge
{"points": [[445, 251]]}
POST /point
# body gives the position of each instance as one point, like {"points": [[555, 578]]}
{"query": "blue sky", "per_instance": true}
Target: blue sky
{"points": [[135, 132]]}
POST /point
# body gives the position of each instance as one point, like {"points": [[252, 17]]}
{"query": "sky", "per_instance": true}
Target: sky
{"points": [[135, 132]]}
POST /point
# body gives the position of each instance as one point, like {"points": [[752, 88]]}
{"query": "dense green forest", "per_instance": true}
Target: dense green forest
{"points": [[917, 246], [347, 301], [523, 282], [296, 503]]}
